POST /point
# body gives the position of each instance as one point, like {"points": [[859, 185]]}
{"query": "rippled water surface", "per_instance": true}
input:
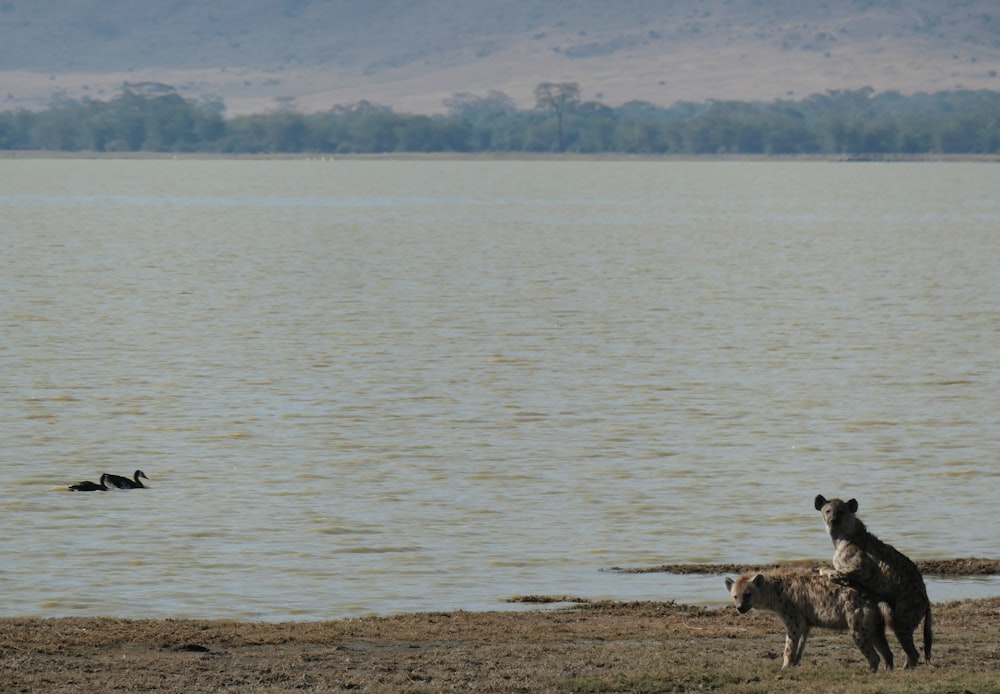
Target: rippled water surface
{"points": [[377, 386]]}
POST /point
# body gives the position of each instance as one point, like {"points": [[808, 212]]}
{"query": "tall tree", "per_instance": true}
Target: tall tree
{"points": [[473, 108], [558, 98]]}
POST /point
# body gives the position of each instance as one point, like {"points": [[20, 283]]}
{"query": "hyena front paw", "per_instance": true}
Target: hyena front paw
{"points": [[835, 576]]}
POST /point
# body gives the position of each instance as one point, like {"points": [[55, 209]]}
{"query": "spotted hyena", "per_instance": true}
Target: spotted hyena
{"points": [[804, 599], [863, 561]]}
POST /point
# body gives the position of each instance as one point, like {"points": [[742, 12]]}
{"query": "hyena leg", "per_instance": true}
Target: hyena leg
{"points": [[906, 641], [800, 646], [867, 627], [881, 643], [904, 634], [864, 642], [796, 631], [790, 646], [882, 646], [907, 615]]}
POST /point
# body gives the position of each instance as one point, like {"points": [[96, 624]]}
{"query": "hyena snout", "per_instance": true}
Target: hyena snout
{"points": [[741, 598], [834, 517], [743, 603]]}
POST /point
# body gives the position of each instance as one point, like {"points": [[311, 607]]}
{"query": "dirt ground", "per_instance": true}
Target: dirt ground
{"points": [[585, 647]]}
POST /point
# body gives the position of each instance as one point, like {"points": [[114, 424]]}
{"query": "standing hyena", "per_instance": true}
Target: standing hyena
{"points": [[804, 599], [862, 560]]}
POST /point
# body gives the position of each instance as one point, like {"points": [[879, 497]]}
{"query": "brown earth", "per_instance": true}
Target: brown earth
{"points": [[640, 647], [589, 647]]}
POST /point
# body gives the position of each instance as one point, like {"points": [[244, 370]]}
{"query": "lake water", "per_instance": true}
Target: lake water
{"points": [[379, 386]]}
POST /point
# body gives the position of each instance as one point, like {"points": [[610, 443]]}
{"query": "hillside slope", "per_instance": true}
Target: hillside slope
{"points": [[412, 55]]}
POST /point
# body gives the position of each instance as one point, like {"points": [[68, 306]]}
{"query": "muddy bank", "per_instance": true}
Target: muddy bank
{"points": [[965, 566], [600, 646]]}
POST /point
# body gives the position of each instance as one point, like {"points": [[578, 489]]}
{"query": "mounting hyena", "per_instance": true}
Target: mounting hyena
{"points": [[804, 599], [863, 561]]}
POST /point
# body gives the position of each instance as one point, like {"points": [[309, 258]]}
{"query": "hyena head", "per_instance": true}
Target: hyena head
{"points": [[837, 514], [742, 591]]}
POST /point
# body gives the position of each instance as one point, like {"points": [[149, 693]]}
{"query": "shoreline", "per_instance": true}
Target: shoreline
{"points": [[599, 646], [505, 156], [955, 567]]}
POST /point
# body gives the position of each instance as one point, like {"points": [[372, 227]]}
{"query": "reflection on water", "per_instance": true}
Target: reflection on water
{"points": [[375, 386]]}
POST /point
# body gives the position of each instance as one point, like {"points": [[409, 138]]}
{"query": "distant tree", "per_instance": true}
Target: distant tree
{"points": [[375, 131], [559, 98], [726, 126], [646, 137], [155, 117], [482, 119], [880, 136], [595, 127], [286, 131], [15, 129], [57, 129], [788, 134], [474, 108]]}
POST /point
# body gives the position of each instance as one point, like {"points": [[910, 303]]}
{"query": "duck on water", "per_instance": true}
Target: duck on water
{"points": [[111, 482], [120, 482], [88, 486]]}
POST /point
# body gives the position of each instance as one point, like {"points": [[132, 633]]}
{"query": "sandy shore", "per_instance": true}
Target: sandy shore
{"points": [[590, 647]]}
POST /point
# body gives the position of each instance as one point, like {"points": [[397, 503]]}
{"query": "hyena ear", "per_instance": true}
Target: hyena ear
{"points": [[729, 583], [852, 505], [758, 579], [820, 501]]}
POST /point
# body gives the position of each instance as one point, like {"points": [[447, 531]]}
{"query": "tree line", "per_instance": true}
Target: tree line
{"points": [[152, 117]]}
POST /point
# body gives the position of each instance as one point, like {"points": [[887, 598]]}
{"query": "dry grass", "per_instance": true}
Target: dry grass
{"points": [[596, 647]]}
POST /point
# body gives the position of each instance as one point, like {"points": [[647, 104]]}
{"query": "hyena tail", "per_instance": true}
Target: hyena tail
{"points": [[928, 634]]}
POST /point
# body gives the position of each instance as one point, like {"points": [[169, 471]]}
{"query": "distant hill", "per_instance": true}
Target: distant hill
{"points": [[413, 54]]}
